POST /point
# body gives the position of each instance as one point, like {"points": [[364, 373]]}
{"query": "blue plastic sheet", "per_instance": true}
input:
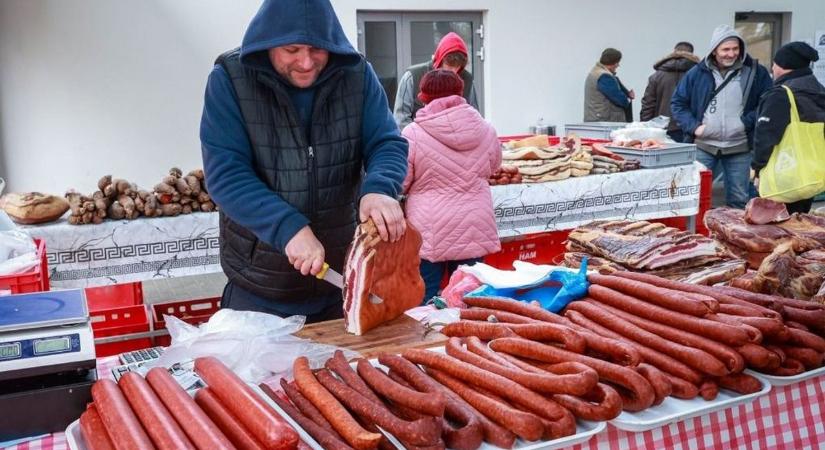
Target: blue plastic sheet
{"points": [[553, 292]]}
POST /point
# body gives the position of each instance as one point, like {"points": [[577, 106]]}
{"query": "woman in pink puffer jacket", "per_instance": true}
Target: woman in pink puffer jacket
{"points": [[453, 151]]}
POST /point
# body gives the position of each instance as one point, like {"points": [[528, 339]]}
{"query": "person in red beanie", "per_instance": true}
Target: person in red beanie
{"points": [[453, 151], [450, 54]]}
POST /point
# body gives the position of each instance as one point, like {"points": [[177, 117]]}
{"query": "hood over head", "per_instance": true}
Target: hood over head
{"points": [[453, 122], [724, 33], [451, 42], [307, 22], [677, 61]]}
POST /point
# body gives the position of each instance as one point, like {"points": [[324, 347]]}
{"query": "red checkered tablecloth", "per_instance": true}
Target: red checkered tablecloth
{"points": [[788, 417]]}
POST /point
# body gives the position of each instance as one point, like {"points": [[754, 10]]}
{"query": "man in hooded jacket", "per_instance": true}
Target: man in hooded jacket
{"points": [[791, 68], [660, 86], [715, 106], [291, 120], [450, 54]]}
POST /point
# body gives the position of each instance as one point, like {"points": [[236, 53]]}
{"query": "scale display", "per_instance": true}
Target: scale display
{"points": [[44, 346], [38, 347], [9, 351]]}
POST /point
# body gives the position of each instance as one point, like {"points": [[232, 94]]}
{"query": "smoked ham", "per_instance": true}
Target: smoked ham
{"points": [[386, 269]]}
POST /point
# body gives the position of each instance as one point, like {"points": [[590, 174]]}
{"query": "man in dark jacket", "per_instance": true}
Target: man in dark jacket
{"points": [[660, 86], [715, 106], [791, 68], [291, 120], [606, 99]]}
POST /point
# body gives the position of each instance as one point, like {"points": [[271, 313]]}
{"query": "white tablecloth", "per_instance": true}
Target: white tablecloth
{"points": [[123, 251], [566, 204]]}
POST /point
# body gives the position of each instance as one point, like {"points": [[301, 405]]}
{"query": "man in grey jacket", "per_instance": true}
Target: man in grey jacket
{"points": [[715, 106]]}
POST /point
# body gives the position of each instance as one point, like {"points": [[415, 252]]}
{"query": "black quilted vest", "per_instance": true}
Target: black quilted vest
{"points": [[419, 70], [319, 177]]}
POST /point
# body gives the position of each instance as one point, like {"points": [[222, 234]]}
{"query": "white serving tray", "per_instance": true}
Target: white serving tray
{"points": [[784, 381], [75, 438], [676, 410]]}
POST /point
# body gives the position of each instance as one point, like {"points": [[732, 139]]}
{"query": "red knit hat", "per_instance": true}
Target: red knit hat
{"points": [[439, 83], [450, 43]]}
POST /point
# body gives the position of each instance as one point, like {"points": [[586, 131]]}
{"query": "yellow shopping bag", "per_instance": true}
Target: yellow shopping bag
{"points": [[796, 169]]}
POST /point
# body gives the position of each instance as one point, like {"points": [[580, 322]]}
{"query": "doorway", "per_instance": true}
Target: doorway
{"points": [[763, 33]]}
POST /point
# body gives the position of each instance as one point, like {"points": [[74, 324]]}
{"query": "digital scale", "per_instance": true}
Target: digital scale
{"points": [[47, 362]]}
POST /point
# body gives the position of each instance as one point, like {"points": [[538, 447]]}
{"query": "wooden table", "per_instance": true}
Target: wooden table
{"points": [[392, 337]]}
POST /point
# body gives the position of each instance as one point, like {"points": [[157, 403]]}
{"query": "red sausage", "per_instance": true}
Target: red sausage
{"points": [[339, 364], [709, 390], [485, 314], [304, 406], [328, 439], [740, 383], [759, 357], [790, 367], [123, 426], [667, 298], [94, 431], [802, 338], [484, 330], [156, 419], [229, 425], [263, 422], [661, 384], [195, 423], [427, 404], [601, 404], [682, 388], [809, 357]]}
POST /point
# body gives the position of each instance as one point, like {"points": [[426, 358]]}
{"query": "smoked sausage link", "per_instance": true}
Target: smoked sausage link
{"points": [[93, 430], [234, 430], [156, 419], [121, 423]]}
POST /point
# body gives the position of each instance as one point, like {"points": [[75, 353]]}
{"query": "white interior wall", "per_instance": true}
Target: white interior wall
{"points": [[90, 87]]}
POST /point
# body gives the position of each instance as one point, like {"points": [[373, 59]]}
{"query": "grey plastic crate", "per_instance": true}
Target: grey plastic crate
{"points": [[671, 155], [593, 130]]}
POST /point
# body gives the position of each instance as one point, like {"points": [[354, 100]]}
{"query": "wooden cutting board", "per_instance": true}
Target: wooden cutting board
{"points": [[392, 337]]}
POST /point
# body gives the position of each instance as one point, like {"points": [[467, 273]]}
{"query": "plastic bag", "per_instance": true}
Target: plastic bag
{"points": [[655, 128], [254, 345], [796, 168], [17, 252], [461, 282], [554, 291]]}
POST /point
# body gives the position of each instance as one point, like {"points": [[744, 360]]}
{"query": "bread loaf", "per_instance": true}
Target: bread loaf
{"points": [[34, 207]]}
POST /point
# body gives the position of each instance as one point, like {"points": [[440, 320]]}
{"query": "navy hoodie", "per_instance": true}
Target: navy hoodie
{"points": [[227, 153]]}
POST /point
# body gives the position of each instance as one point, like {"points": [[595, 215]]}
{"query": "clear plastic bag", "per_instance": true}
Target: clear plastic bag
{"points": [[254, 345], [17, 252], [655, 128]]}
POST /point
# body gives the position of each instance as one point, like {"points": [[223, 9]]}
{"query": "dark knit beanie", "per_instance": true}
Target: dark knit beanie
{"points": [[795, 55], [610, 56], [439, 83]]}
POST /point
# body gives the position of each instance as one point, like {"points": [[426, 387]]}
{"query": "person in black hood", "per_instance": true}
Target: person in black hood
{"points": [[660, 86], [298, 144], [791, 67]]}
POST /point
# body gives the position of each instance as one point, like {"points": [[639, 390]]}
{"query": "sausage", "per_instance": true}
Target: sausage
{"points": [[428, 404], [769, 301], [769, 327], [709, 390], [797, 325], [526, 425], [810, 318], [779, 352], [229, 425], [617, 351], [695, 358], [328, 439], [94, 431], [497, 384], [426, 431], [473, 426], [759, 357], [809, 358], [641, 396], [662, 386], [673, 300], [195, 423], [485, 314], [484, 330], [689, 288], [682, 388], [732, 360], [263, 422], [746, 311], [121, 423], [741, 383], [754, 335], [714, 330], [651, 356], [543, 332], [803, 338], [789, 368], [577, 384], [602, 403], [340, 366], [341, 420], [156, 419], [304, 406]]}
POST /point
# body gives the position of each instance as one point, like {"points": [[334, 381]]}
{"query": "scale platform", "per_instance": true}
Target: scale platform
{"points": [[42, 309]]}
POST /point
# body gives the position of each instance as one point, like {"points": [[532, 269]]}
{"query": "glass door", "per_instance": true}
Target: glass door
{"points": [[762, 33]]}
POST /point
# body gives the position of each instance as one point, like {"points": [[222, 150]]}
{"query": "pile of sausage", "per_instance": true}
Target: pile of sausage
{"points": [[155, 412], [647, 144], [505, 174]]}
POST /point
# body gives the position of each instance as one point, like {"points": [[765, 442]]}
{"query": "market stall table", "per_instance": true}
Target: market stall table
{"points": [[787, 417]]}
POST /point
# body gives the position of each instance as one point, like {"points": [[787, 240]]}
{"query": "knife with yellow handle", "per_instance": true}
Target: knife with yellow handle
{"points": [[334, 278]]}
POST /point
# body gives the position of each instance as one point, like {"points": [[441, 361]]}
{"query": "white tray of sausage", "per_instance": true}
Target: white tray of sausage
{"points": [[784, 381], [676, 410]]}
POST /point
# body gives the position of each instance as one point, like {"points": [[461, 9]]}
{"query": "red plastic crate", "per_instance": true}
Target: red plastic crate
{"points": [[101, 298], [35, 280], [120, 321], [540, 248], [195, 312]]}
